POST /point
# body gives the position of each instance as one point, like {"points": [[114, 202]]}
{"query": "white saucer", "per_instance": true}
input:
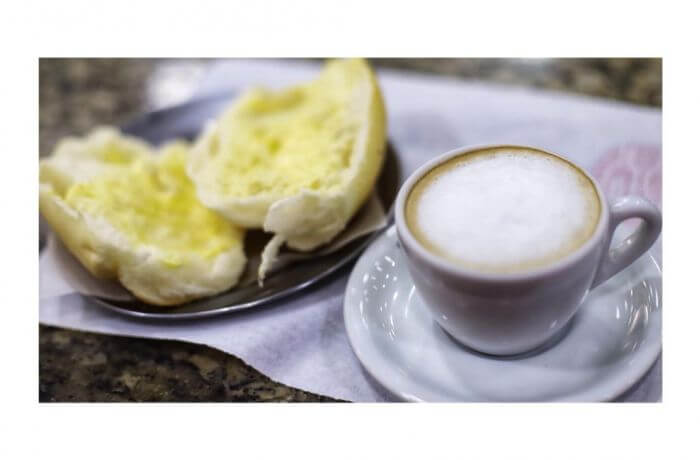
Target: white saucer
{"points": [[610, 344]]}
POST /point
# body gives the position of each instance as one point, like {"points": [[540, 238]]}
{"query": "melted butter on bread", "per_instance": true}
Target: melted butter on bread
{"points": [[131, 214], [154, 204]]}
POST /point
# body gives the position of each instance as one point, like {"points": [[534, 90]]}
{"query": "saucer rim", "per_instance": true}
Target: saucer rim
{"points": [[606, 389]]}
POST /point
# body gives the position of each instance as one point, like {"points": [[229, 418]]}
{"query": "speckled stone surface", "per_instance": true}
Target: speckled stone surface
{"points": [[629, 80], [79, 366], [76, 95]]}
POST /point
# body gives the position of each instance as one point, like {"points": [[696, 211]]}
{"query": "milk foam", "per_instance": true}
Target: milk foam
{"points": [[504, 210]]}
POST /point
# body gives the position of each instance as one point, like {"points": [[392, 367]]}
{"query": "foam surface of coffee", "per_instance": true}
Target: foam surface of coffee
{"points": [[503, 210]]}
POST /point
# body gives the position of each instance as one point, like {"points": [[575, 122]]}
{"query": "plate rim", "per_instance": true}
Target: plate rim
{"points": [[175, 316]]}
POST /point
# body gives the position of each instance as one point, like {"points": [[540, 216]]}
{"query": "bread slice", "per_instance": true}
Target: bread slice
{"points": [[298, 162], [126, 213]]}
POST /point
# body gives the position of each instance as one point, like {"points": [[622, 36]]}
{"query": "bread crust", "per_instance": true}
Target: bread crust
{"points": [[107, 253], [310, 218]]}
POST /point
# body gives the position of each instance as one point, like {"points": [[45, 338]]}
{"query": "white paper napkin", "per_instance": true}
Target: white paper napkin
{"points": [[301, 341]]}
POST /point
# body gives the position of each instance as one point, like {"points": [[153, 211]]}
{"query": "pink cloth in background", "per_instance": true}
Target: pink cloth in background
{"points": [[631, 169]]}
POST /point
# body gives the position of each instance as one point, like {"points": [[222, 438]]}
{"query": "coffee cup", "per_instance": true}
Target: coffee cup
{"points": [[505, 242]]}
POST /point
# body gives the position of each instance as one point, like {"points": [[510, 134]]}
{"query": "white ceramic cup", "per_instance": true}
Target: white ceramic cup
{"points": [[506, 314]]}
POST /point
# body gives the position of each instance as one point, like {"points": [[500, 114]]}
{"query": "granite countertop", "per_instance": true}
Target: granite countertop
{"points": [[76, 95]]}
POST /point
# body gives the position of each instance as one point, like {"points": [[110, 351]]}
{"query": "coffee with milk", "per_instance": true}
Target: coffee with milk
{"points": [[503, 210]]}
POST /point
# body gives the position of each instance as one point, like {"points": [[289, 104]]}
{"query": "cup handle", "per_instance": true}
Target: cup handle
{"points": [[634, 245]]}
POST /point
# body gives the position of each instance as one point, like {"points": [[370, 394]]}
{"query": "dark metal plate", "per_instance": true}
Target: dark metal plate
{"points": [[185, 121]]}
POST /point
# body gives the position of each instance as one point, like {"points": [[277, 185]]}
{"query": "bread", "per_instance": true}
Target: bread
{"points": [[130, 214], [297, 162]]}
